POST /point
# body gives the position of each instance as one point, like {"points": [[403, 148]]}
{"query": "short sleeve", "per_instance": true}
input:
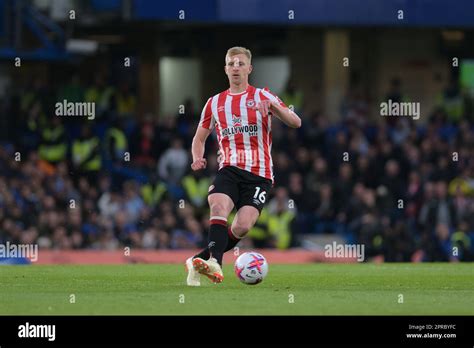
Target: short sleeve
{"points": [[207, 121], [273, 97]]}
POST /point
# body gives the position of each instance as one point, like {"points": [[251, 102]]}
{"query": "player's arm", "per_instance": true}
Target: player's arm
{"points": [[273, 104], [203, 130], [287, 116], [198, 146]]}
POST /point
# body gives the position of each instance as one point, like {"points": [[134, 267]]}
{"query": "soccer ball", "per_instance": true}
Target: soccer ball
{"points": [[251, 268]]}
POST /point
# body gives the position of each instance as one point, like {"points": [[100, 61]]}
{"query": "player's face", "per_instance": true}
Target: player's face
{"points": [[237, 68]]}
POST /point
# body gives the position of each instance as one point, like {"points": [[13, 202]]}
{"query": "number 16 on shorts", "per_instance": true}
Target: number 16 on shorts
{"points": [[259, 194]]}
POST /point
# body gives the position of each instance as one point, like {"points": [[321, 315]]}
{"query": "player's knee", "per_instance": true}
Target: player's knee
{"points": [[218, 209], [241, 228]]}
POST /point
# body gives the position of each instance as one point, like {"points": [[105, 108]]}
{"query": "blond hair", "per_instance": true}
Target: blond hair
{"points": [[239, 50]]}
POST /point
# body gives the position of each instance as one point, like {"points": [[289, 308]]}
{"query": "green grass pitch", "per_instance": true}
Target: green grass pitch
{"points": [[311, 289]]}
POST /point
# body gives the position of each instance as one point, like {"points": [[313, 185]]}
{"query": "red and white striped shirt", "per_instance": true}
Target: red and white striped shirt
{"points": [[244, 135]]}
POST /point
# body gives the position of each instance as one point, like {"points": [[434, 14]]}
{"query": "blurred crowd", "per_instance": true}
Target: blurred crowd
{"points": [[405, 189]]}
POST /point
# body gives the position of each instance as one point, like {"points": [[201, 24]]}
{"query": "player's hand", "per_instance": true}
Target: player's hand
{"points": [[264, 107], [199, 164]]}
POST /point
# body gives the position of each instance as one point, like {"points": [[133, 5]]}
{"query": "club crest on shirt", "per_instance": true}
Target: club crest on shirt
{"points": [[250, 103]]}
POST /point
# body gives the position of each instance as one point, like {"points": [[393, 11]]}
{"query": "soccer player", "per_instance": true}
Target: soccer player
{"points": [[242, 116]]}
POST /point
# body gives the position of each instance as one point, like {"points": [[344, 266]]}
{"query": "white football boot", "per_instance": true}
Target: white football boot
{"points": [[209, 268], [194, 278]]}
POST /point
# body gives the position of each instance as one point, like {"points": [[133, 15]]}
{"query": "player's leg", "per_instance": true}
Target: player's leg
{"points": [[237, 231], [209, 261], [244, 220], [253, 195], [223, 193], [220, 207]]}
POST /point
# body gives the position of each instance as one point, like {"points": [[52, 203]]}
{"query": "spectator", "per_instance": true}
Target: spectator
{"points": [[439, 211], [144, 145], [452, 101], [53, 145], [86, 154], [133, 203], [173, 163], [126, 101], [292, 96], [101, 94], [115, 145]]}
